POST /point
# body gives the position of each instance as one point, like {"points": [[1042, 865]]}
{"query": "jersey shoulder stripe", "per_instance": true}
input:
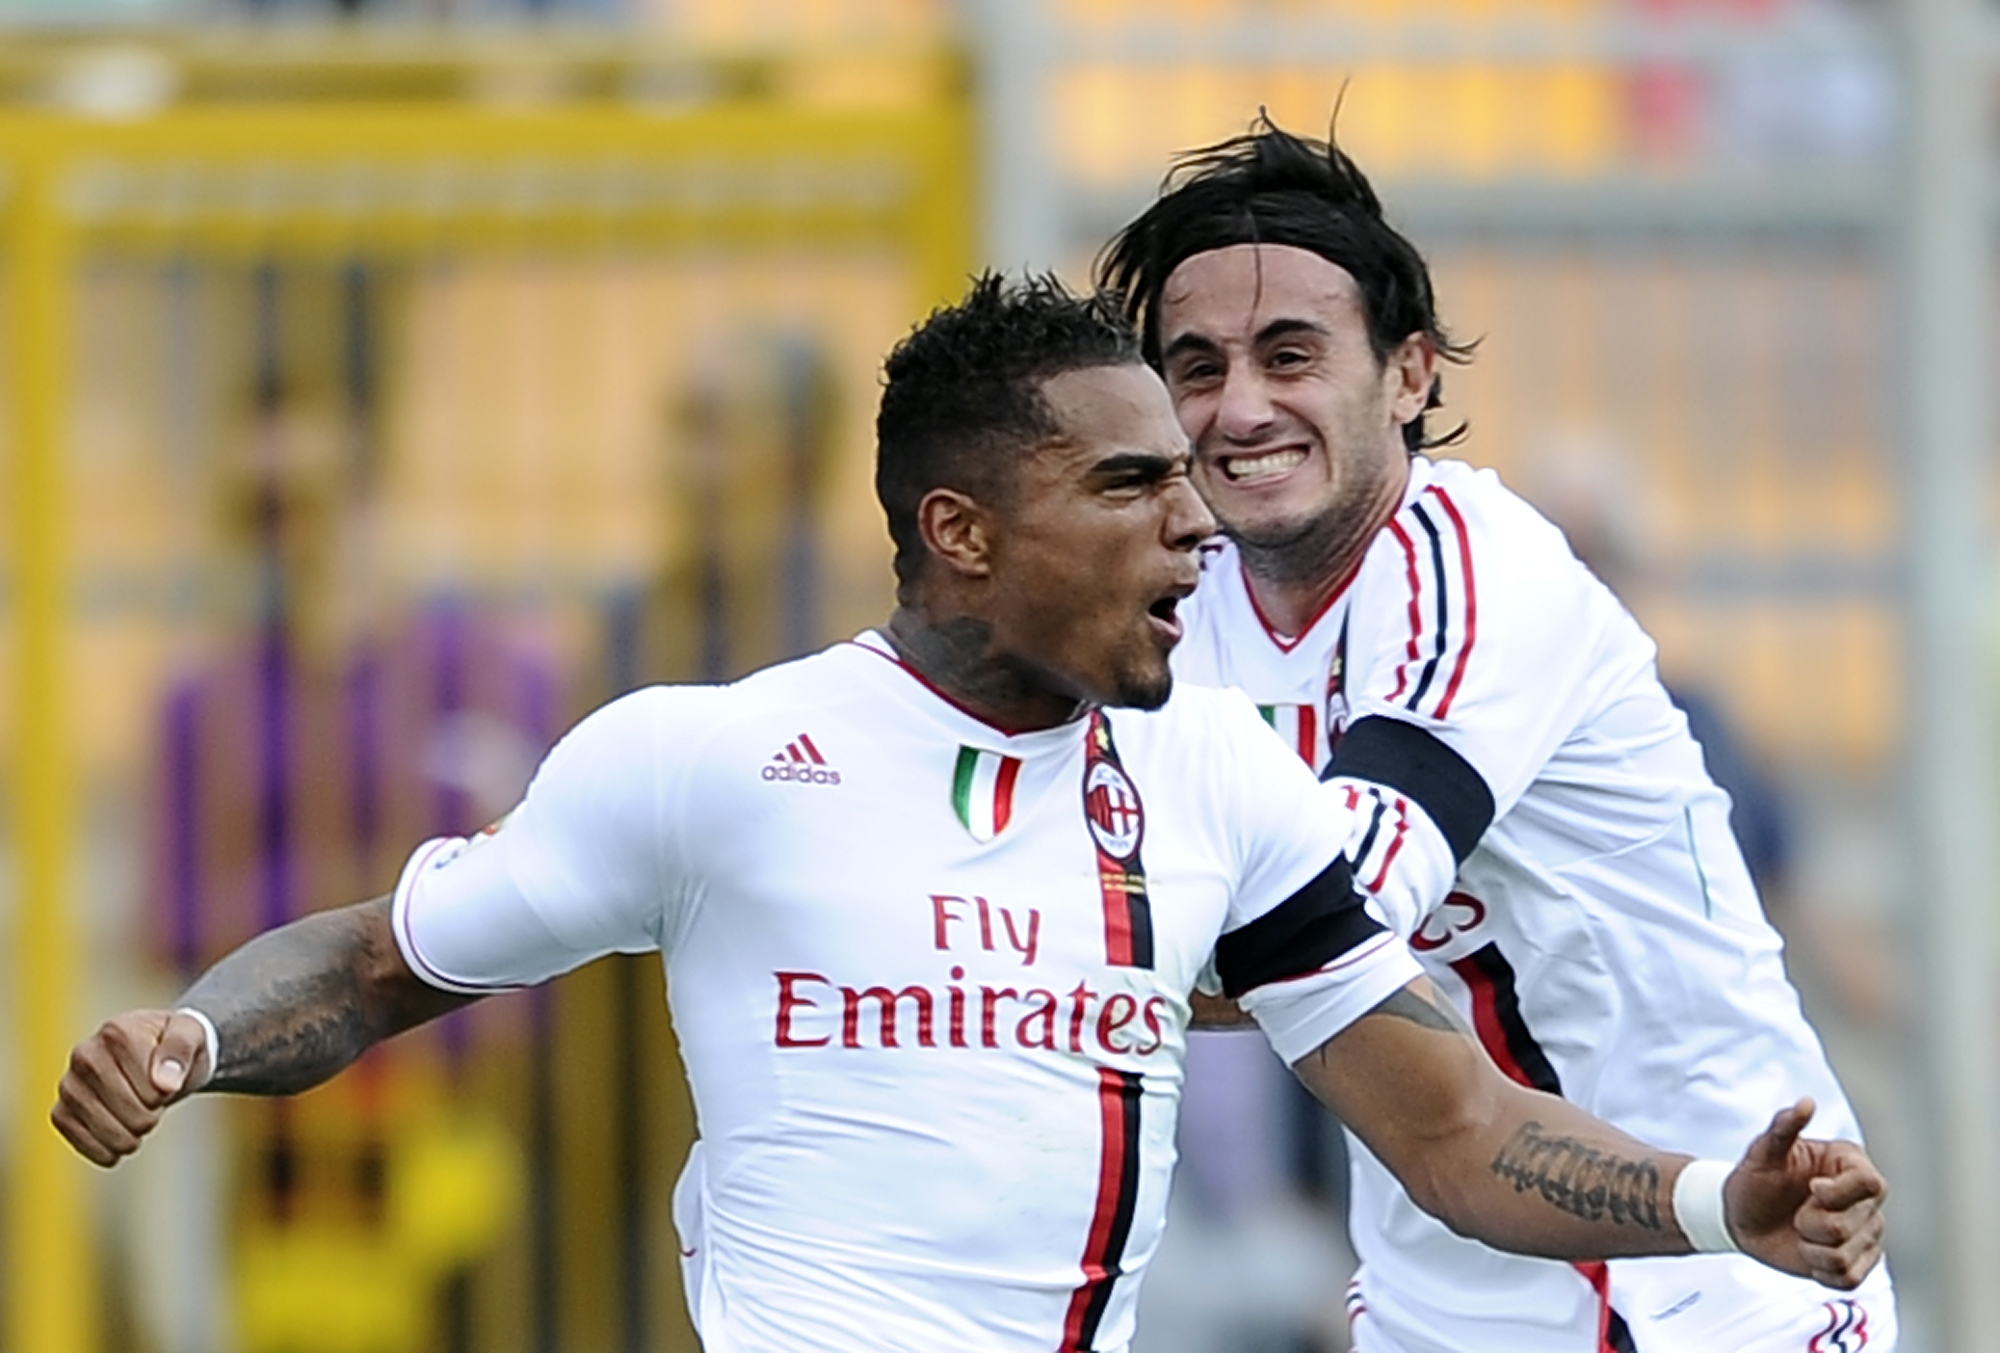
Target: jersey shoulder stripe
{"points": [[1471, 597], [1442, 605]]}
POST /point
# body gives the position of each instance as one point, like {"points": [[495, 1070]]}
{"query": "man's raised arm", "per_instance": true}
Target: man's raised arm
{"points": [[1528, 1172], [290, 1008]]}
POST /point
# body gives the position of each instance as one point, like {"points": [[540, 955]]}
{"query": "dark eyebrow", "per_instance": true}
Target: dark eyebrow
{"points": [[1189, 343], [1270, 333], [1147, 465], [1285, 328]]}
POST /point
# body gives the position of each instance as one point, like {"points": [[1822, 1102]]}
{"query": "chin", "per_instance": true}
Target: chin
{"points": [[1275, 533], [1145, 691], [1268, 529]]}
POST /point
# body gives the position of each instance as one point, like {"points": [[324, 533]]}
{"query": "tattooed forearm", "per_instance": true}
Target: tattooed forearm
{"points": [[1428, 1010], [297, 1004], [1580, 1179]]}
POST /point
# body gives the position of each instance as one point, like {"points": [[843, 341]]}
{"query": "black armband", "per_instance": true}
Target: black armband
{"points": [[1417, 765], [1302, 934]]}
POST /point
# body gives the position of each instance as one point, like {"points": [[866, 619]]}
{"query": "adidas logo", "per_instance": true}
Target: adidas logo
{"points": [[801, 763]]}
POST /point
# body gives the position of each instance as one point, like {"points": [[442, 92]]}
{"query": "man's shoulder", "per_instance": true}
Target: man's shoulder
{"points": [[845, 665], [1453, 496], [1464, 521], [783, 690]]}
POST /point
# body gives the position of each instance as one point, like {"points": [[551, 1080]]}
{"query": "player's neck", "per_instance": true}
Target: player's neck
{"points": [[1293, 582], [956, 655]]}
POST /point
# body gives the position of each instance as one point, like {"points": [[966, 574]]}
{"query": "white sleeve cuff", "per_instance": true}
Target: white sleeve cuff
{"points": [[211, 1039], [464, 926], [1300, 1013]]}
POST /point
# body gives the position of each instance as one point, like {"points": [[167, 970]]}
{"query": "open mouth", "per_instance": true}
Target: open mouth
{"points": [[1263, 465], [1165, 614]]}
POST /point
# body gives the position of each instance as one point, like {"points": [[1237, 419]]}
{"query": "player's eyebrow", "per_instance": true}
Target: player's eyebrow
{"points": [[1286, 328], [1146, 466], [1270, 333], [1190, 342]]}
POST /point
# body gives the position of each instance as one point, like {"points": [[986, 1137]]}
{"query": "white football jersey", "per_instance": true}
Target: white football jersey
{"points": [[1537, 822], [930, 978]]}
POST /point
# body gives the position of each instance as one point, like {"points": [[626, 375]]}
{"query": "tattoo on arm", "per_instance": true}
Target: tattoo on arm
{"points": [[1580, 1179], [297, 1004], [1428, 1010]]}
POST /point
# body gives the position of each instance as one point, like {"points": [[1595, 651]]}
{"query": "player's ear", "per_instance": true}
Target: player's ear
{"points": [[957, 531], [1412, 375]]}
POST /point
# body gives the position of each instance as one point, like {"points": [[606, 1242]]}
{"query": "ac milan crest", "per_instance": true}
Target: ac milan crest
{"points": [[1117, 823], [1111, 807]]}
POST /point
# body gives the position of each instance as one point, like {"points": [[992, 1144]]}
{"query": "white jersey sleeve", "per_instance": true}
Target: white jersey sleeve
{"points": [[1299, 949], [587, 865], [1472, 656]]}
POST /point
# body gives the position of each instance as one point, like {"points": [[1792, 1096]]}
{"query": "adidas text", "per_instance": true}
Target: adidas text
{"points": [[805, 775]]}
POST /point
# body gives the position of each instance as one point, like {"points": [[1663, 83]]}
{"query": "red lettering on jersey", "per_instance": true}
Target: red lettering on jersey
{"points": [[957, 1009], [944, 911], [1155, 1007], [1119, 1010], [1113, 1019], [1046, 1000], [886, 1002], [941, 914], [1458, 914], [988, 999], [1078, 1012], [1027, 950], [788, 1001]]}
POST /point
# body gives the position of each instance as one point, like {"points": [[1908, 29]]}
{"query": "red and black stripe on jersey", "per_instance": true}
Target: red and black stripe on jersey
{"points": [[1119, 1094], [1128, 910], [1299, 936], [1496, 1017], [1443, 604]]}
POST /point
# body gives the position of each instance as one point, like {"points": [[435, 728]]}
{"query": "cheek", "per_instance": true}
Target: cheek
{"points": [[1195, 412]]}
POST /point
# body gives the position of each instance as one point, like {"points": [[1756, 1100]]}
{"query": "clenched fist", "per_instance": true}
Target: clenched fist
{"points": [[1808, 1207], [123, 1077]]}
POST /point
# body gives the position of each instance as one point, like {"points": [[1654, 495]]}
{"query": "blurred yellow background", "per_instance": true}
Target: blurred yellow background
{"points": [[385, 384]]}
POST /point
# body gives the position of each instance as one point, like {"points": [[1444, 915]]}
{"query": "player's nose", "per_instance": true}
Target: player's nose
{"points": [[1188, 520], [1243, 410]]}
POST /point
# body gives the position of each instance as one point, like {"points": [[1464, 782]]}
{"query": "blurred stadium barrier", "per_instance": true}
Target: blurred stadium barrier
{"points": [[1674, 223], [371, 410]]}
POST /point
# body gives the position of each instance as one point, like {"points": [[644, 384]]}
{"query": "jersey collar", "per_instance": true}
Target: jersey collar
{"points": [[967, 725], [1422, 471]]}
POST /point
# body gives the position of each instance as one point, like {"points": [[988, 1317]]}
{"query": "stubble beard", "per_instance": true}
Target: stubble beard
{"points": [[1307, 551], [1138, 690], [1297, 554]]}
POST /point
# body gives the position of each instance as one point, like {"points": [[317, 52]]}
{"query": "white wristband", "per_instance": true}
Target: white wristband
{"points": [[214, 1042], [1699, 1208]]}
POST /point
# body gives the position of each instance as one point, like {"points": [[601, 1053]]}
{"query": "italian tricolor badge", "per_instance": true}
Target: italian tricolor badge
{"points": [[982, 791], [1297, 725]]}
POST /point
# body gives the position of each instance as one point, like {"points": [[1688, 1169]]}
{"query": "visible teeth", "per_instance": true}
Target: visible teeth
{"points": [[1240, 468]]}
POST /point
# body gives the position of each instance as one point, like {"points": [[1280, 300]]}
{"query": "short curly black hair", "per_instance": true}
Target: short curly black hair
{"points": [[962, 395], [1269, 186]]}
